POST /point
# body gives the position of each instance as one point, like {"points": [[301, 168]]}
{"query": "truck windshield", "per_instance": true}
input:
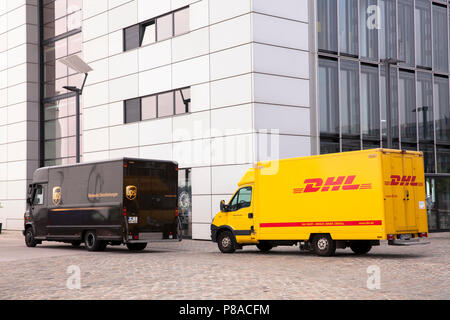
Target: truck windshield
{"points": [[242, 199]]}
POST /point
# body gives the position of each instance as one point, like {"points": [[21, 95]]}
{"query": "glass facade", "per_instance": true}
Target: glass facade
{"points": [[60, 37], [353, 38], [185, 201]]}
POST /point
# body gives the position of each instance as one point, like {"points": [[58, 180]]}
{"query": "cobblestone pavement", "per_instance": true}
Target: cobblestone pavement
{"points": [[196, 270]]}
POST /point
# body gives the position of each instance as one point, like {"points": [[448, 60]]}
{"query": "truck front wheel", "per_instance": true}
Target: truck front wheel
{"points": [[30, 241], [360, 247], [225, 241], [92, 243], [323, 245]]}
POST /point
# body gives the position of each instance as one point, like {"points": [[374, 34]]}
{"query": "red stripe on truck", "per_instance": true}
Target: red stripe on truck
{"points": [[321, 224]]}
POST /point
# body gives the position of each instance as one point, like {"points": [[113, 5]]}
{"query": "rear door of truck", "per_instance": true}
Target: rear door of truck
{"points": [[150, 199], [403, 176]]}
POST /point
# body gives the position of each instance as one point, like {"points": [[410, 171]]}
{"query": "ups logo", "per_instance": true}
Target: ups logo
{"points": [[56, 196], [131, 192]]}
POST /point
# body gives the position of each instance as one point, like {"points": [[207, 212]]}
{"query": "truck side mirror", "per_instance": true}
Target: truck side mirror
{"points": [[223, 206]]}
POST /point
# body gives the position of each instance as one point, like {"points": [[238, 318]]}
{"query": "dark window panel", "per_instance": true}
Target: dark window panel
{"points": [[327, 25], [388, 30], [149, 110], [164, 27], [442, 108], [351, 145], [367, 145], [394, 102], [165, 104], [328, 96], [440, 27], [407, 105], [428, 157], [405, 32], [132, 110], [368, 31], [370, 102], [181, 21], [329, 146], [131, 37], [348, 26], [349, 87], [424, 108], [443, 159], [423, 33]]}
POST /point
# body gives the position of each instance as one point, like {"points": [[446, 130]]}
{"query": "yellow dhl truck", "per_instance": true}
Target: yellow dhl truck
{"points": [[327, 202]]}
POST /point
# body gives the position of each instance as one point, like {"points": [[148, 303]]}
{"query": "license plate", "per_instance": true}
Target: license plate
{"points": [[405, 236], [133, 220]]}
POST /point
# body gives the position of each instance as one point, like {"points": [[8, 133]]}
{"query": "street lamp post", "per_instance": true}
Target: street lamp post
{"points": [[77, 64], [388, 62]]}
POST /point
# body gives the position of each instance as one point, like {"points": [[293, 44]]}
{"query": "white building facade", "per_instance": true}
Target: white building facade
{"points": [[215, 85]]}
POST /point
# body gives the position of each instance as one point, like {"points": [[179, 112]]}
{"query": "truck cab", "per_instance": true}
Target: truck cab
{"points": [[234, 224]]}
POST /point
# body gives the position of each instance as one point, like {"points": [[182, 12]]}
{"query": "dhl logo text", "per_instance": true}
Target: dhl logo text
{"points": [[403, 181], [344, 183]]}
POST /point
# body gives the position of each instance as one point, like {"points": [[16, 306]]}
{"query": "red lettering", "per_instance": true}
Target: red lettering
{"points": [[335, 183], [395, 180], [405, 180], [349, 184], [310, 185], [413, 182]]}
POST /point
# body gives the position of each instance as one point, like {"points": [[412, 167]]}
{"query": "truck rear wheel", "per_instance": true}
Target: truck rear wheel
{"points": [[30, 241], [136, 246], [360, 247], [323, 245], [92, 243], [264, 246], [225, 241]]}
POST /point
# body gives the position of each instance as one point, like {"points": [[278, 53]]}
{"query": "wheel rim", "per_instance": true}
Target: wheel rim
{"points": [[322, 244], [29, 237], [226, 242], [90, 240]]}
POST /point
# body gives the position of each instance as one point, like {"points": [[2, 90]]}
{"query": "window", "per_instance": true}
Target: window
{"points": [[158, 105], [440, 43], [182, 100], [131, 37], [407, 105], [181, 21], [185, 201], [349, 87], [442, 109], [405, 34], [370, 105], [388, 30], [242, 199], [148, 33], [348, 27], [165, 104], [368, 29], [164, 27], [327, 25], [394, 105], [132, 110], [423, 33], [328, 96], [424, 108], [39, 195], [149, 107], [157, 29]]}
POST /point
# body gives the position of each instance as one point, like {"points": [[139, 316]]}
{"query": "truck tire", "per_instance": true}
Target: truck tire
{"points": [[323, 245], [264, 246], [30, 241], [92, 243], [136, 246], [360, 247], [226, 242]]}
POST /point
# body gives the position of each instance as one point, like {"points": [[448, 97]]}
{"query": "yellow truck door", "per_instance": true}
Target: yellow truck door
{"points": [[240, 214], [402, 181]]}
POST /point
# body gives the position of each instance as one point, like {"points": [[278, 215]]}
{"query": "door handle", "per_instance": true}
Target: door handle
{"points": [[250, 215]]}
